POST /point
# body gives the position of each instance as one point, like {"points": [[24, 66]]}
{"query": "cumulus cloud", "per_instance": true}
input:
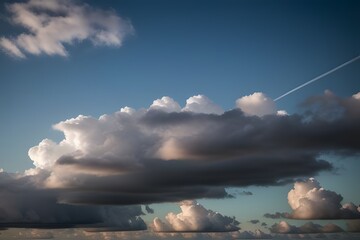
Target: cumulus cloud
{"points": [[309, 227], [51, 25], [310, 201], [257, 104], [151, 150], [276, 215], [195, 218], [155, 155], [202, 104]]}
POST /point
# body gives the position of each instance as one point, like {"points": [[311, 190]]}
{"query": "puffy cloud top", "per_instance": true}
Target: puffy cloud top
{"points": [[257, 104], [195, 218], [51, 24], [202, 104], [310, 201]]}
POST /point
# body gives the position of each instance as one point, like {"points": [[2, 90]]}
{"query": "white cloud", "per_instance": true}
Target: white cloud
{"points": [[257, 104], [202, 104], [166, 104], [310, 201], [195, 218], [356, 96], [51, 24]]}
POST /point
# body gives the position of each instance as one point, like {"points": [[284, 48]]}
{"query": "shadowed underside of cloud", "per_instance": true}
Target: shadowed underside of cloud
{"points": [[195, 218], [51, 24], [309, 227], [25, 205]]}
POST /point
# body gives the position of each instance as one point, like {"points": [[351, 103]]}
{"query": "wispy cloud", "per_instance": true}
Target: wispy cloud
{"points": [[50, 25]]}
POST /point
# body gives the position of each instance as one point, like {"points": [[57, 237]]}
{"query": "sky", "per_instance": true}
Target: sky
{"points": [[158, 120]]}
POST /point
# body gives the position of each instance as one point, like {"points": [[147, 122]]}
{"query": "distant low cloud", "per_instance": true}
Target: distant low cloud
{"points": [[309, 200], [309, 227], [254, 221], [149, 209], [195, 218], [51, 25]]}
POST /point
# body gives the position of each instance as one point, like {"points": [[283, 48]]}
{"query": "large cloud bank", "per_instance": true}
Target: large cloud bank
{"points": [[168, 153], [51, 24], [195, 218]]}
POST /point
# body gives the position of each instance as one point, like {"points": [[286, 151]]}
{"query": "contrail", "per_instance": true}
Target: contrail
{"points": [[318, 77]]}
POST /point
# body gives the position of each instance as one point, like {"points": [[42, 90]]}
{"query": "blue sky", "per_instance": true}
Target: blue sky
{"points": [[221, 49]]}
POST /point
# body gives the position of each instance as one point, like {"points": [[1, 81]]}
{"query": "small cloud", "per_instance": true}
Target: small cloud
{"points": [[149, 209], [257, 104], [202, 104], [276, 215], [254, 221], [51, 25], [195, 218]]}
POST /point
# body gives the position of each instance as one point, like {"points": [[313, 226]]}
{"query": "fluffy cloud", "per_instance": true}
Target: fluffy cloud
{"points": [[51, 24], [195, 218], [202, 104], [257, 104], [310, 201], [155, 155], [151, 150], [309, 227]]}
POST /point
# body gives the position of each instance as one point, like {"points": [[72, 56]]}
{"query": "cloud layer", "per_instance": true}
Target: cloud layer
{"points": [[51, 25], [195, 218], [309, 227]]}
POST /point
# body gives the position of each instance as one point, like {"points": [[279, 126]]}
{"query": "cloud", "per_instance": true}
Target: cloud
{"points": [[151, 150], [276, 215], [309, 227], [257, 234], [23, 204], [310, 201], [257, 104], [195, 218], [254, 221], [353, 225], [149, 209], [51, 25], [202, 104]]}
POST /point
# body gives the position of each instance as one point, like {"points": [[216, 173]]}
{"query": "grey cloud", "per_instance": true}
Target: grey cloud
{"points": [[149, 209], [25, 205], [276, 215], [254, 221]]}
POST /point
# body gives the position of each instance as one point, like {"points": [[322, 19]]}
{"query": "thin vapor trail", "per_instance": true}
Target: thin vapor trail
{"points": [[318, 77]]}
